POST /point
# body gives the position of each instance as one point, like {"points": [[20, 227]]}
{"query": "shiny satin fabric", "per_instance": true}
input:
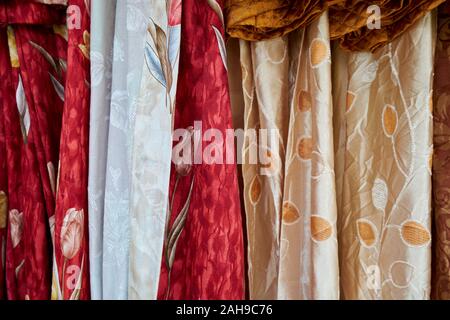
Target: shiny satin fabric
{"points": [[291, 212], [30, 42], [441, 166], [258, 20], [383, 141]]}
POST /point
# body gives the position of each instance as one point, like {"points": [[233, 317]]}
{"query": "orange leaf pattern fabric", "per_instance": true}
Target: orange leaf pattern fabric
{"points": [[291, 210], [383, 142]]}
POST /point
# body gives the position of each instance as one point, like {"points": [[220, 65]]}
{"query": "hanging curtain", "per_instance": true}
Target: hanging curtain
{"points": [[102, 37], [71, 243], [276, 204], [203, 247], [383, 132], [441, 166], [32, 60], [152, 148], [291, 210], [128, 65]]}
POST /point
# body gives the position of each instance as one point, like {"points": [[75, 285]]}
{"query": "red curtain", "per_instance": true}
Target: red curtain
{"points": [[209, 254], [30, 130]]}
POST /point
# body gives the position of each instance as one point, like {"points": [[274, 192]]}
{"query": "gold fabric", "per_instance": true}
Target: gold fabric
{"points": [[383, 141], [267, 19], [291, 208], [441, 164], [348, 21]]}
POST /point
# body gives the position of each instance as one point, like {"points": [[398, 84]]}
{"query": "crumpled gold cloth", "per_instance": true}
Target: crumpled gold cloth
{"points": [[348, 21], [267, 19]]}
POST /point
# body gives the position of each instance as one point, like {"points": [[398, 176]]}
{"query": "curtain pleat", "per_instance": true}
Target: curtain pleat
{"points": [[102, 39], [118, 173], [150, 175], [31, 115], [71, 235], [290, 202], [383, 125], [205, 260]]}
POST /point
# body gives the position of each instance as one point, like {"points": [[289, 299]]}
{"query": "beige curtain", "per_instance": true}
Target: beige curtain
{"points": [[290, 200], [383, 135]]}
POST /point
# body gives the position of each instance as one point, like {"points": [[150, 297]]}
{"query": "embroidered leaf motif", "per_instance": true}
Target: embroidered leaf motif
{"points": [[160, 40], [62, 64], [222, 47], [59, 88], [86, 46], [45, 54], [217, 9], [56, 289], [153, 64], [3, 209], [52, 177], [24, 112], [19, 267], [174, 43], [177, 228]]}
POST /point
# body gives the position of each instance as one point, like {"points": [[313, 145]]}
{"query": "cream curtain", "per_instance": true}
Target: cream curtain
{"points": [[383, 130], [290, 200], [152, 150], [353, 164]]}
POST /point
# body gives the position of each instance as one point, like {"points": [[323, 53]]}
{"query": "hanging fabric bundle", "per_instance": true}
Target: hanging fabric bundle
{"points": [[71, 243], [32, 74]]}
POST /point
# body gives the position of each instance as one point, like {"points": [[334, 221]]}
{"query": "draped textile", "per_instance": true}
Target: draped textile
{"points": [[205, 260], [30, 46], [349, 21], [128, 65], [291, 210], [441, 187], [101, 56], [152, 148], [71, 243], [267, 19], [383, 140]]}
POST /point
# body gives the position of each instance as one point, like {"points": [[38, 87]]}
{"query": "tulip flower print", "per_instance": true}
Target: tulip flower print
{"points": [[71, 237]]}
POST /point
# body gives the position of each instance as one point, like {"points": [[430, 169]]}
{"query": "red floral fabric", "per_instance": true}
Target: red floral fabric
{"points": [[71, 279], [31, 123], [209, 254]]}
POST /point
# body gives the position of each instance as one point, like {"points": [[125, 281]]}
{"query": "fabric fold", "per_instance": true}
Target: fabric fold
{"points": [[259, 20], [203, 248], [102, 38], [152, 149], [71, 227], [292, 247], [383, 134]]}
